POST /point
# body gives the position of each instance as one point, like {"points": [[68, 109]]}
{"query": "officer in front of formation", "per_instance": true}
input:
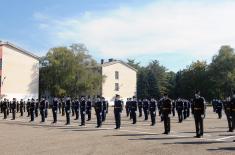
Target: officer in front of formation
{"points": [[13, 109], [166, 111], [42, 108], [32, 110], [98, 111], [4, 108], [117, 111], [83, 110], [88, 108], [232, 106], [227, 110], [198, 110], [179, 108], [21, 107], [105, 109], [133, 109], [140, 107], [146, 109], [54, 110], [76, 108], [67, 110], [218, 108], [152, 109]]}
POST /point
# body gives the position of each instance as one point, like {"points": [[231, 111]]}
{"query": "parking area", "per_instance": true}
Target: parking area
{"points": [[22, 137]]}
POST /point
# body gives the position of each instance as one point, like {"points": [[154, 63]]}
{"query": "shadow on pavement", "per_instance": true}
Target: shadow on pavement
{"points": [[223, 149]]}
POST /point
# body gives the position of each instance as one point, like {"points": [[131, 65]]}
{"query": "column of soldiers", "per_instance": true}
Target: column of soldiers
{"points": [[83, 106]]}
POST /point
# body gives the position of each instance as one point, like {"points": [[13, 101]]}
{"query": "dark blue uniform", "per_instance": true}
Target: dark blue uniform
{"points": [[88, 109], [140, 107], [232, 106], [218, 108], [4, 109], [36, 108], [104, 111], [32, 110], [42, 108], [98, 111], [83, 112], [133, 109], [179, 108], [117, 113], [127, 107], [76, 109], [152, 109], [67, 111], [146, 109], [54, 110], [13, 109], [166, 111], [198, 110], [227, 110], [21, 108]]}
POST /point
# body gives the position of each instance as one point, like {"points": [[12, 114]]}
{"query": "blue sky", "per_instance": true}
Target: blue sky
{"points": [[173, 32]]}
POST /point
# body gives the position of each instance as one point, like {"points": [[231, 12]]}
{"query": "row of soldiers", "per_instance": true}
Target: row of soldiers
{"points": [[182, 106], [165, 107]]}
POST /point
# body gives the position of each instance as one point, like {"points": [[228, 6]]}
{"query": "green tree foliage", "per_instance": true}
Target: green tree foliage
{"points": [[69, 71]]}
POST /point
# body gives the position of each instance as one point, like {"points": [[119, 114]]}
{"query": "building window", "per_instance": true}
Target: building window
{"points": [[116, 75], [116, 87]]}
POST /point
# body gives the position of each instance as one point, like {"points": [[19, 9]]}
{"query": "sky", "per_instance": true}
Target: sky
{"points": [[175, 32]]}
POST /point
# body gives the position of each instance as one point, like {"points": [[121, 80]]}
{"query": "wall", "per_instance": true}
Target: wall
{"points": [[21, 73], [127, 82]]}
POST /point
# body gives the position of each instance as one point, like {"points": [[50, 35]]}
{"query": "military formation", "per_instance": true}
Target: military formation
{"points": [[81, 108]]}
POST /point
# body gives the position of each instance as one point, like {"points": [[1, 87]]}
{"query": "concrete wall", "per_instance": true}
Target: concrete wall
{"points": [[127, 82], [21, 73]]}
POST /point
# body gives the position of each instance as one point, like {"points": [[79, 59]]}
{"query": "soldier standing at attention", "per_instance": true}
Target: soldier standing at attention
{"points": [[46, 108], [32, 109], [127, 107], [133, 109], [219, 108], [76, 108], [159, 105], [13, 109], [98, 111], [146, 109], [152, 109], [21, 107], [227, 110], [198, 110], [59, 106], [67, 110], [88, 108], [166, 111], [232, 106], [17, 106], [54, 110], [36, 108], [140, 107], [42, 108], [4, 108], [83, 110], [73, 107], [173, 108], [104, 111], [28, 107], [117, 111], [63, 106], [179, 108]]}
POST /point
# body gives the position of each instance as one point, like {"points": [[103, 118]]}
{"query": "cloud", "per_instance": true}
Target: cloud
{"points": [[191, 28]]}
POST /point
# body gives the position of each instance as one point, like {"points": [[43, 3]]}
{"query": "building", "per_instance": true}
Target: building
{"points": [[19, 72], [120, 78]]}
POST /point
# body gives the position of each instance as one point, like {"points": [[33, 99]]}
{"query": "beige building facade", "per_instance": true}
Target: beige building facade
{"points": [[120, 78], [19, 73]]}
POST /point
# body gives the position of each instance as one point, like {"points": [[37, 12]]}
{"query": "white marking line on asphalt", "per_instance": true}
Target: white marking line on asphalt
{"points": [[224, 138], [149, 133]]}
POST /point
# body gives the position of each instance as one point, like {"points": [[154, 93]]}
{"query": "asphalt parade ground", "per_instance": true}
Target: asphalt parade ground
{"points": [[23, 137]]}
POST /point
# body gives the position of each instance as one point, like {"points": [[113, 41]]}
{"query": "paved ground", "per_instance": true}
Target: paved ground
{"points": [[22, 137]]}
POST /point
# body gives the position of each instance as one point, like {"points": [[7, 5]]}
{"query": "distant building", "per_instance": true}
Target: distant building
{"points": [[19, 72], [120, 78]]}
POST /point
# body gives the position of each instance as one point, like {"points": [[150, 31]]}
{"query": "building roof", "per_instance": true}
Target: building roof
{"points": [[118, 61], [19, 49]]}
